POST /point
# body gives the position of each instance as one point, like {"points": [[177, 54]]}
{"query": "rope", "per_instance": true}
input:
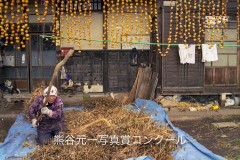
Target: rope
{"points": [[147, 43]]}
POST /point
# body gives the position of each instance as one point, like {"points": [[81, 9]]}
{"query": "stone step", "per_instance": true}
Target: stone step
{"points": [[225, 125]]}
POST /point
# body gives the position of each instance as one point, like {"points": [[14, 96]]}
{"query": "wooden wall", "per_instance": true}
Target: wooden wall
{"points": [[191, 78], [109, 68]]}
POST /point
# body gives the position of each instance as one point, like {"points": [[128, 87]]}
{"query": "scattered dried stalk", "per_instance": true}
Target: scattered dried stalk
{"points": [[103, 116]]}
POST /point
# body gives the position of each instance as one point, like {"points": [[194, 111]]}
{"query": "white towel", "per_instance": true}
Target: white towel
{"points": [[187, 54], [63, 73], [209, 54]]}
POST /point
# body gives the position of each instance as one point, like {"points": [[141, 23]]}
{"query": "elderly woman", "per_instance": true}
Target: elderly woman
{"points": [[52, 120]]}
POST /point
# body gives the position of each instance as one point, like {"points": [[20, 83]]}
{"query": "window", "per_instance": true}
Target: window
{"points": [[96, 5], [228, 54], [224, 71]]}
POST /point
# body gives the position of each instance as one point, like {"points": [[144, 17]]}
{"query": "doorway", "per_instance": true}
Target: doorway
{"points": [[43, 60]]}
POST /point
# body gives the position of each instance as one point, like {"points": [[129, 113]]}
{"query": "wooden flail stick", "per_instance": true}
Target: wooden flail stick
{"points": [[55, 74]]}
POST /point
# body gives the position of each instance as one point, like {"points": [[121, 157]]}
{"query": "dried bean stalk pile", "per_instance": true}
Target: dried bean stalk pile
{"points": [[104, 116], [37, 92]]}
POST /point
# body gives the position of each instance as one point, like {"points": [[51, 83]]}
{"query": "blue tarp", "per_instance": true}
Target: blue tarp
{"points": [[21, 137]]}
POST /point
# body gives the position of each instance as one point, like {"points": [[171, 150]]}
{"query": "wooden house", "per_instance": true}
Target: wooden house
{"points": [[103, 34]]}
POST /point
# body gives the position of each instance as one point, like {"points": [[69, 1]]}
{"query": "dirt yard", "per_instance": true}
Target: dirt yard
{"points": [[224, 142], [8, 116], [5, 124]]}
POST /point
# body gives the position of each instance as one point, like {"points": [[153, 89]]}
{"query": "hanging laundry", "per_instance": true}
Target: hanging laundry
{"points": [[63, 73], [209, 53], [23, 58], [187, 53]]}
